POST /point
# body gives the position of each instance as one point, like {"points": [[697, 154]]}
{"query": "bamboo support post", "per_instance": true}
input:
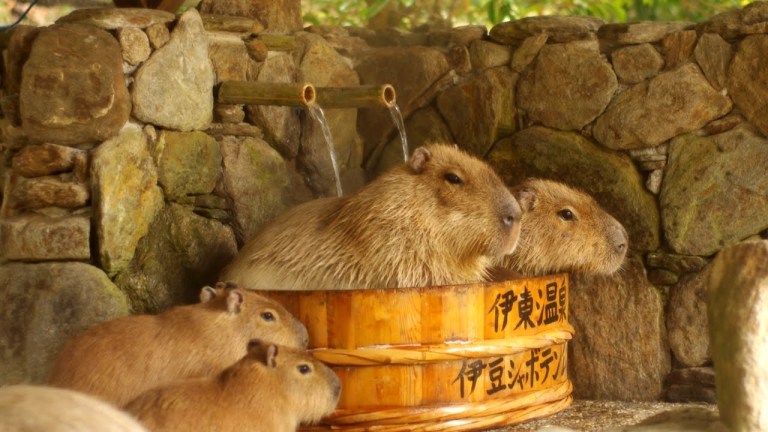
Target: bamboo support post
{"points": [[257, 93], [356, 97]]}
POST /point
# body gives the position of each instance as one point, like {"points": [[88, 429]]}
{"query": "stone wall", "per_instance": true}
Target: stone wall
{"points": [[125, 178]]}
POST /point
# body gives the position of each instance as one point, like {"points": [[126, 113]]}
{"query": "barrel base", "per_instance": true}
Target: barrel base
{"points": [[453, 417]]}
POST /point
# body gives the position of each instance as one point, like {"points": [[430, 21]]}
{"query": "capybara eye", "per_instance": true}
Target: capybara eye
{"points": [[268, 316], [304, 369], [453, 178], [566, 215]]}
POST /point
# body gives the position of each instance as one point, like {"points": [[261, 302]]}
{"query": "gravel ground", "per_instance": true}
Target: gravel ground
{"points": [[589, 416]]}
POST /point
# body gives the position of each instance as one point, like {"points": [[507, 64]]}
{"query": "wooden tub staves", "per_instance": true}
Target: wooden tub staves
{"points": [[457, 357]]}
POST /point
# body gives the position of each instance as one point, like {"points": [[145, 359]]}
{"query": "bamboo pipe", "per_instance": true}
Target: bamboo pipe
{"points": [[257, 93], [356, 97]]}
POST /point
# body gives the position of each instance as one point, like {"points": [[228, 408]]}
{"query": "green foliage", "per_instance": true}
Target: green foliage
{"points": [[413, 13]]}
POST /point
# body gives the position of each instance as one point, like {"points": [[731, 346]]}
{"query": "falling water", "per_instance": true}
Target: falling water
{"points": [[397, 117], [317, 113]]}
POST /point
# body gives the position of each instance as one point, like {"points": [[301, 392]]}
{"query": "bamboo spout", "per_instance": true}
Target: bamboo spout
{"points": [[257, 93], [356, 97]]}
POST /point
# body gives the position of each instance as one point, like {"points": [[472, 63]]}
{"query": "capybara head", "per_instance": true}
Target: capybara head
{"points": [[475, 211], [564, 229], [313, 388], [256, 315]]}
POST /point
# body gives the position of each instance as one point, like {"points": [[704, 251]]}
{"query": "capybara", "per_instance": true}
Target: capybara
{"points": [[564, 230], [117, 360], [28, 408], [271, 389], [443, 217]]}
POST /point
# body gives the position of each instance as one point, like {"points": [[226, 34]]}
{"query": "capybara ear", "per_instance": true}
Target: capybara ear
{"points": [[235, 300], [271, 355], [419, 159], [264, 353], [207, 294], [526, 197]]}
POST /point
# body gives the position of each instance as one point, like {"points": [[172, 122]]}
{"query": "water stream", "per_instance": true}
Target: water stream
{"points": [[397, 118], [317, 113]]}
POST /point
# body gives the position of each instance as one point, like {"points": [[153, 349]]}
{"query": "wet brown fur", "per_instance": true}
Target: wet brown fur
{"points": [[592, 241], [272, 389], [412, 226], [119, 359]]}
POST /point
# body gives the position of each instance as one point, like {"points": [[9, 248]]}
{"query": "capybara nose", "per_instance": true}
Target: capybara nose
{"points": [[511, 213], [620, 240]]}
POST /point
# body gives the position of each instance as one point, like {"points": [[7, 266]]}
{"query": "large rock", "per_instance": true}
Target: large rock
{"points": [[189, 163], [126, 197], [687, 320], [256, 180], [714, 172], [638, 32], [678, 47], [281, 125], [115, 18], [45, 306], [38, 238], [661, 108], [174, 87], [559, 29], [748, 79], [410, 70], [228, 56], [46, 159], [619, 349], [752, 19], [181, 253], [695, 384], [72, 86], [568, 85], [278, 16], [47, 191], [15, 55], [322, 66], [738, 327], [569, 157], [481, 109], [713, 54], [135, 45], [635, 63]]}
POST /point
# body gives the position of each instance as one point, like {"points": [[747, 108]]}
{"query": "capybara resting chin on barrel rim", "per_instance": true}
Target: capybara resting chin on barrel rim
{"points": [[443, 217], [271, 389], [116, 360], [564, 230]]}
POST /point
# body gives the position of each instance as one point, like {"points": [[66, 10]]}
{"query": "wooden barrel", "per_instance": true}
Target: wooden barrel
{"points": [[459, 357]]}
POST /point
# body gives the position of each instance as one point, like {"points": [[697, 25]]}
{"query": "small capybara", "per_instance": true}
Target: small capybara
{"points": [[119, 359], [443, 217], [28, 408], [271, 389], [563, 230]]}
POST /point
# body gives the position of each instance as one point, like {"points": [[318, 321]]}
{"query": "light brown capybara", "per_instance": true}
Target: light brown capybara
{"points": [[28, 408], [271, 389], [563, 230], [443, 217], [119, 359]]}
